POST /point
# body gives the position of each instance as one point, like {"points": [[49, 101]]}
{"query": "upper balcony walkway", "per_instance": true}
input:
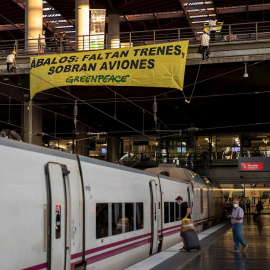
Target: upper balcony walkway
{"points": [[234, 43]]}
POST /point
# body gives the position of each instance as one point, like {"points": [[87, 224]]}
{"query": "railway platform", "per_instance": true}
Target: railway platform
{"points": [[217, 243]]}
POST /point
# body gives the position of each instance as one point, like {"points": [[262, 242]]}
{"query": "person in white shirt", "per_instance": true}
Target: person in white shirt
{"points": [[11, 61], [205, 45], [42, 42], [213, 28]]}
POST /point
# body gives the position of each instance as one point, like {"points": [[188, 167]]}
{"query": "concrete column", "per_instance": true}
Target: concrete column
{"points": [[113, 40], [113, 153], [82, 24], [33, 24], [36, 124]]}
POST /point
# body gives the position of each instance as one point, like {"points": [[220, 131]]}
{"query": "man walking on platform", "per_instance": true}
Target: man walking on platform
{"points": [[237, 224]]}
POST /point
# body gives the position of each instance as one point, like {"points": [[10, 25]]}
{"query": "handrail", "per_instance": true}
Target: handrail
{"points": [[230, 33]]}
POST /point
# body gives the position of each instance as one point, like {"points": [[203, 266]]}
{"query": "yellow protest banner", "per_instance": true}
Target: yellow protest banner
{"points": [[161, 65]]}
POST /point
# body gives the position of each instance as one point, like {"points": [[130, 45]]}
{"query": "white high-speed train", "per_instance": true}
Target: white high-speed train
{"points": [[62, 212]]}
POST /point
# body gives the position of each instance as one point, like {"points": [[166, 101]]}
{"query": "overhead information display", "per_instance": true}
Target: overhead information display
{"points": [[161, 65]]}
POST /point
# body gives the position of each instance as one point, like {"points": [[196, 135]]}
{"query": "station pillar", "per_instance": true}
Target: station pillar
{"points": [[34, 135], [114, 149], [33, 24], [82, 25], [113, 31]]}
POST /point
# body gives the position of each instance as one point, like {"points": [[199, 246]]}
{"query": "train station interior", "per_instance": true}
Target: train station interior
{"points": [[215, 124]]}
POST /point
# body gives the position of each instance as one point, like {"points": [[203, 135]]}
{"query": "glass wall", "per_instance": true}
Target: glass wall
{"points": [[168, 148], [255, 192]]}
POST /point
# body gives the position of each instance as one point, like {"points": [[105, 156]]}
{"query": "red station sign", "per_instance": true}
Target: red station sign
{"points": [[251, 166]]}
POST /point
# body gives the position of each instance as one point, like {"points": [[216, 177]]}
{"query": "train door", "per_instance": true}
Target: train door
{"points": [[190, 198], [58, 211], [154, 219]]}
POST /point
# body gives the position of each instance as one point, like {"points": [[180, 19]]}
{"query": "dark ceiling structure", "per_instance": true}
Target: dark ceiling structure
{"points": [[222, 102]]}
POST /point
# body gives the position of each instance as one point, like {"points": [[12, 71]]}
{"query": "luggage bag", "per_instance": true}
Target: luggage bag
{"points": [[191, 240]]}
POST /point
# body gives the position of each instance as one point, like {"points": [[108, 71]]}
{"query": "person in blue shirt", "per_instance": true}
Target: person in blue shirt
{"points": [[237, 217]]}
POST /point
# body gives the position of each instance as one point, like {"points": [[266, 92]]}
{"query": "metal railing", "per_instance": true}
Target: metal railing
{"points": [[231, 33]]}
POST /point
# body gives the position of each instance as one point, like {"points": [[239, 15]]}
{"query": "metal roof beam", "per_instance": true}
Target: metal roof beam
{"points": [[192, 1], [155, 15], [200, 13], [224, 10], [145, 17], [55, 18], [130, 25], [49, 12], [201, 6], [11, 27]]}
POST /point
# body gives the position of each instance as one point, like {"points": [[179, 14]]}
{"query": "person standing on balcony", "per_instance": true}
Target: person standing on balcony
{"points": [[205, 45], [55, 42], [213, 28], [42, 42], [11, 61], [65, 42]]}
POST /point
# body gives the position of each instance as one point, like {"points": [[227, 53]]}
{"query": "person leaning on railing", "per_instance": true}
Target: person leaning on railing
{"points": [[65, 42], [55, 42]]}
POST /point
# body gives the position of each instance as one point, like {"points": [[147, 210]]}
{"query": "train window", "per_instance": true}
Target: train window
{"points": [[166, 212], [129, 217], [139, 216], [172, 216], [117, 221], [201, 196], [177, 211], [101, 220]]}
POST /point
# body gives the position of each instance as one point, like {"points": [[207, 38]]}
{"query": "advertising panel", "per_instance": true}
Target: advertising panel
{"points": [[97, 29]]}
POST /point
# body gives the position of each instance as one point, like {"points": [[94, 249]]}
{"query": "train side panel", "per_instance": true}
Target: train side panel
{"points": [[215, 206], [171, 226], [200, 208], [107, 189], [24, 206]]}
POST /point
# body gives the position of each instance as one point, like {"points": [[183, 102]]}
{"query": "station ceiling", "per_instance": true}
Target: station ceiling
{"points": [[234, 11], [222, 101]]}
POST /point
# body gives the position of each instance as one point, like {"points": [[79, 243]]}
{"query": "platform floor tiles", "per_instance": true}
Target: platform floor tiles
{"points": [[217, 244], [218, 256]]}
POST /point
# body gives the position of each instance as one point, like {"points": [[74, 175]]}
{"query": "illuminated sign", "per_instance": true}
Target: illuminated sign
{"points": [[254, 164]]}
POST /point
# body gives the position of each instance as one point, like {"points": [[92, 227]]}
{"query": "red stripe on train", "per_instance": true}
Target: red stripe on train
{"points": [[93, 250], [117, 251], [37, 267]]}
